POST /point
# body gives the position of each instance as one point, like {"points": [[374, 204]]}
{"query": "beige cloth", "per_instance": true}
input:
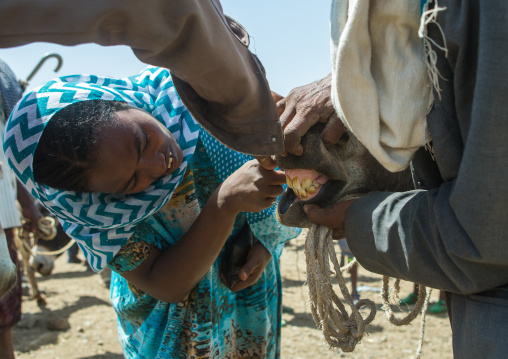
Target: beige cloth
{"points": [[220, 81], [380, 86]]}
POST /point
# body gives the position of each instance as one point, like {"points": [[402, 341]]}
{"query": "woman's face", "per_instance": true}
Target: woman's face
{"points": [[134, 154]]}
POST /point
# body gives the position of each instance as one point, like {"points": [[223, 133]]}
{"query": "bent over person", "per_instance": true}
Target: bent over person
{"points": [[149, 193], [10, 216]]}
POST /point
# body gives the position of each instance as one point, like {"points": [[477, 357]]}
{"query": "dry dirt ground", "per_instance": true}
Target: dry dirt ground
{"points": [[79, 322]]}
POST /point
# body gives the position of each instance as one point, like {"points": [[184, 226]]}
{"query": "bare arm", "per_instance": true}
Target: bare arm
{"points": [[169, 275], [218, 79]]}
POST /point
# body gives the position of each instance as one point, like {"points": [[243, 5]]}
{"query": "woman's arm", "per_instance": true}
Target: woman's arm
{"points": [[169, 275]]}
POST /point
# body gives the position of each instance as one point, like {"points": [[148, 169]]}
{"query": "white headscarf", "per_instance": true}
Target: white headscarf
{"points": [[101, 223]]}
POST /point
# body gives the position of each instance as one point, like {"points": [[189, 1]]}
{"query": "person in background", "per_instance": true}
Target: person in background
{"points": [[72, 254], [452, 233], [436, 308], [10, 217]]}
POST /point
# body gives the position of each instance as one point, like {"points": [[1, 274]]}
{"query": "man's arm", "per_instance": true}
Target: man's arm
{"points": [[454, 237], [221, 83]]}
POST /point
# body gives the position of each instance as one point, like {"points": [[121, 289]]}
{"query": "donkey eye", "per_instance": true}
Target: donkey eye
{"points": [[344, 137]]}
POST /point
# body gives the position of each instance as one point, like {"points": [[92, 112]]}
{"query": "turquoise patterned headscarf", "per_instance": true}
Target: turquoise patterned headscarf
{"points": [[101, 223]]}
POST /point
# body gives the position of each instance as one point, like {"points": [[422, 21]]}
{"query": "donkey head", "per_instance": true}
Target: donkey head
{"points": [[325, 175]]}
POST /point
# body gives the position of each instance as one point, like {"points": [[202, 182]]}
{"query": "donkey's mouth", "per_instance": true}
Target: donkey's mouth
{"points": [[307, 186]]}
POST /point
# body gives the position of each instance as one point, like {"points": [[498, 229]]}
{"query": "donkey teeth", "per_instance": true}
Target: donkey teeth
{"points": [[306, 183], [297, 184], [302, 189]]}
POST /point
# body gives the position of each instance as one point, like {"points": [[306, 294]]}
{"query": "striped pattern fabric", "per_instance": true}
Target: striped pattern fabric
{"points": [[101, 223]]}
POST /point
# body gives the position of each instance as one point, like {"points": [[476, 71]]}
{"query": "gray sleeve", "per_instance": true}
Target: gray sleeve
{"points": [[417, 236], [454, 237]]}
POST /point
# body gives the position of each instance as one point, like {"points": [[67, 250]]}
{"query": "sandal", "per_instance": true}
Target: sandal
{"points": [[438, 307], [410, 299]]}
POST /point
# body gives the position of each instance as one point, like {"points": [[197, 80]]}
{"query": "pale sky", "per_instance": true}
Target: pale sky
{"points": [[291, 38]]}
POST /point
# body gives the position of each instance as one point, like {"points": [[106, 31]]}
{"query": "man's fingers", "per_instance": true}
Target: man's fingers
{"points": [[333, 130], [276, 97], [331, 217], [281, 105], [338, 233], [322, 216], [287, 114], [294, 131]]}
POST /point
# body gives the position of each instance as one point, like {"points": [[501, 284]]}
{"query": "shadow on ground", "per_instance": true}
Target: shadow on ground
{"points": [[32, 332]]}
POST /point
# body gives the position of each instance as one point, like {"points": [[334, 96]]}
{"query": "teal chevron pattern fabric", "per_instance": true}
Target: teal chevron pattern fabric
{"points": [[100, 223]]}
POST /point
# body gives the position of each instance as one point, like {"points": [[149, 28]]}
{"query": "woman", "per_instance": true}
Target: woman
{"points": [[147, 192]]}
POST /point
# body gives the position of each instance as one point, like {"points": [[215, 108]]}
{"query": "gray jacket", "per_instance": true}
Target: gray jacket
{"points": [[221, 83], [455, 237]]}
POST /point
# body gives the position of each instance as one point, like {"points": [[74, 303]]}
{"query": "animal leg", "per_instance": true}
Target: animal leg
{"points": [[25, 254]]}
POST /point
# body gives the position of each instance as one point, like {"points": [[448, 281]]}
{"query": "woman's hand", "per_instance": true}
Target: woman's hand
{"points": [[257, 259], [251, 188]]}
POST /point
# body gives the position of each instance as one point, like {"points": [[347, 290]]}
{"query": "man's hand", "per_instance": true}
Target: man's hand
{"points": [[333, 217], [305, 106], [302, 108], [257, 259]]}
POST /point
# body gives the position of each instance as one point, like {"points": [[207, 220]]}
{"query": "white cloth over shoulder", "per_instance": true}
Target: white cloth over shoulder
{"points": [[380, 85]]}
